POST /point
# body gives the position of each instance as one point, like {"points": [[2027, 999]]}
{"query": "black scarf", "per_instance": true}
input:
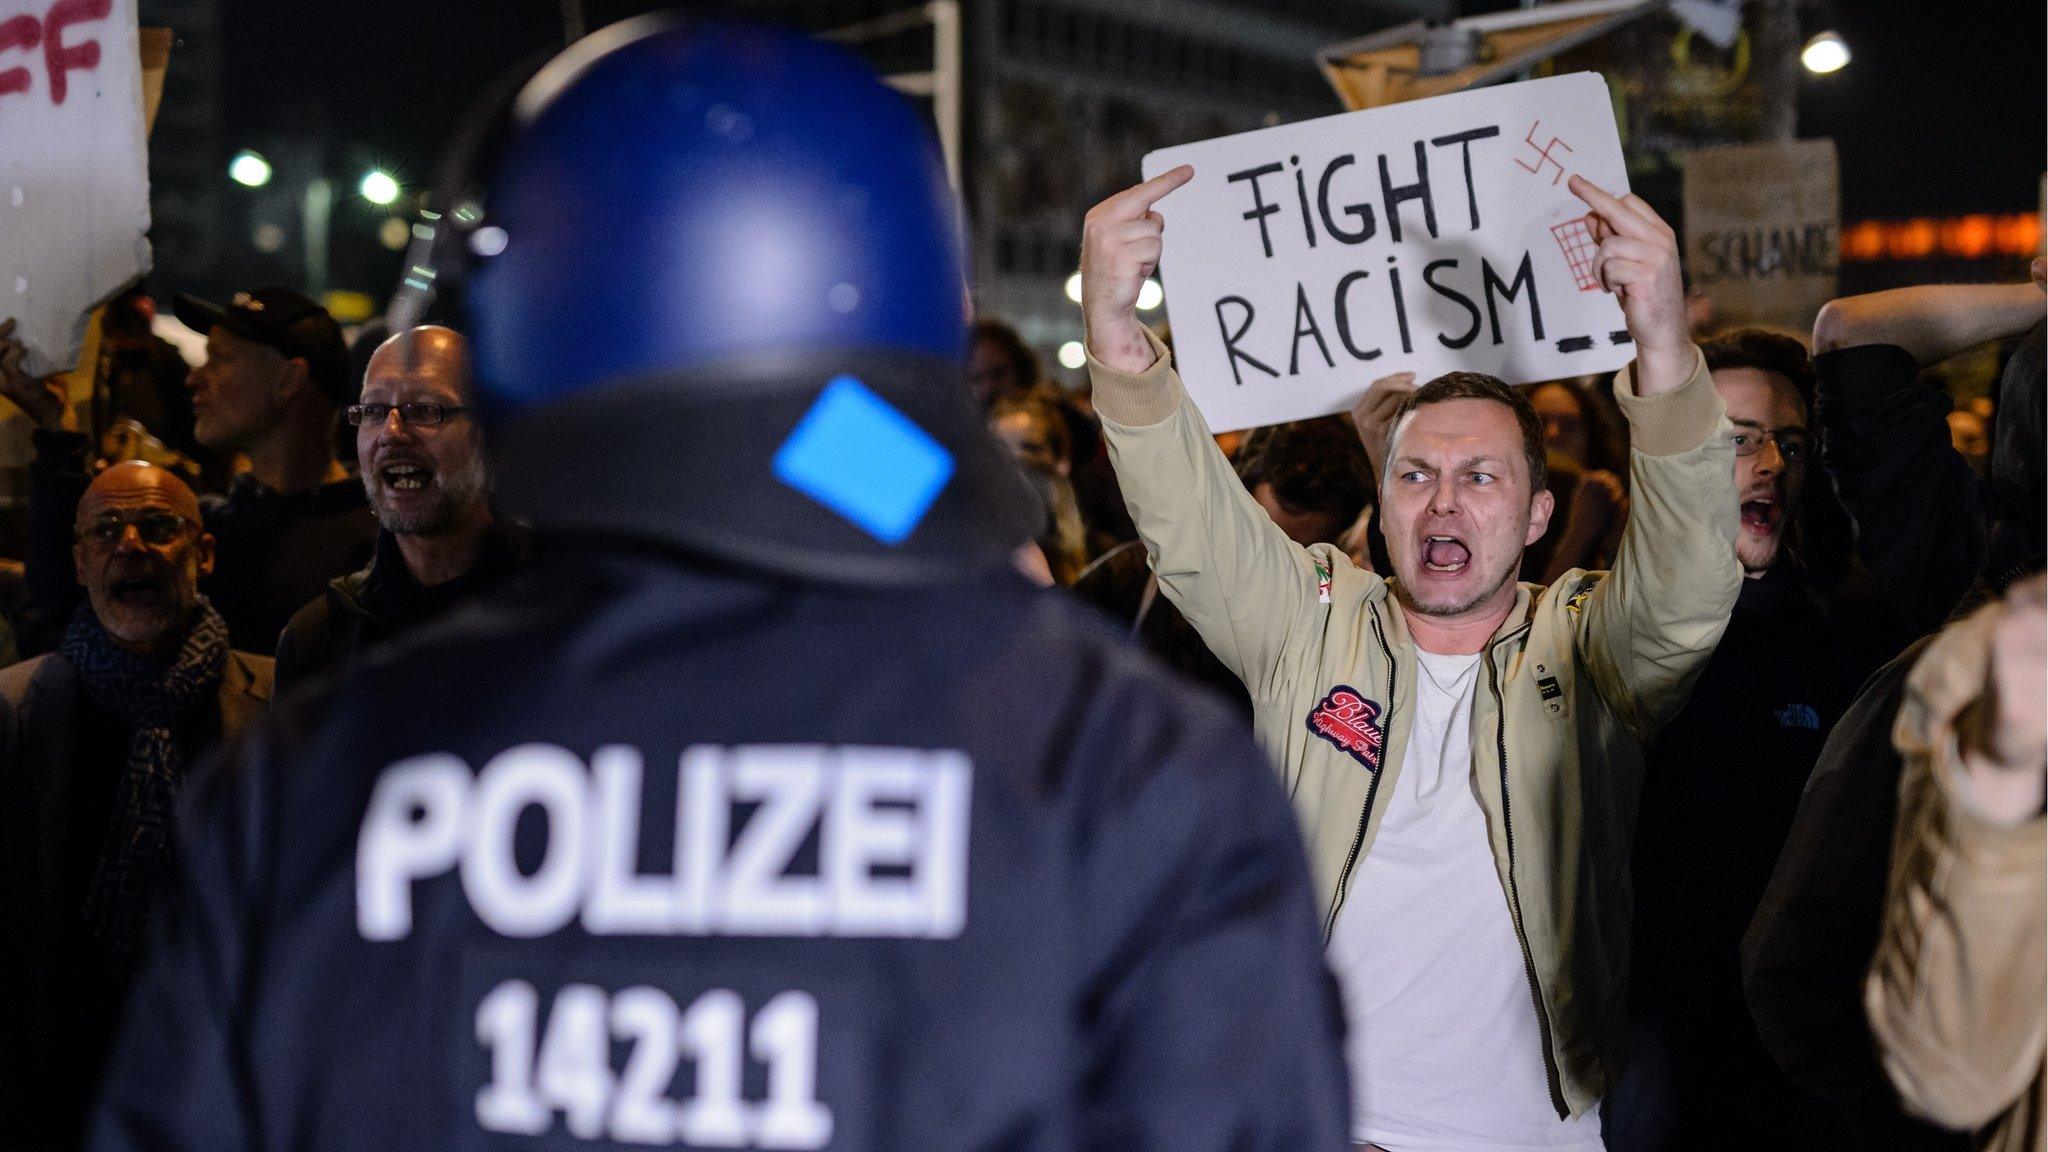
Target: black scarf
{"points": [[152, 697]]}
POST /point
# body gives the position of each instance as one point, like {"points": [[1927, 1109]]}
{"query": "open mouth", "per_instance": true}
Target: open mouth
{"points": [[406, 477], [1760, 515], [1445, 554], [137, 592]]}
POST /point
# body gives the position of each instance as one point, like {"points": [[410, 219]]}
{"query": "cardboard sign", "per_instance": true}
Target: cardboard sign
{"points": [[1763, 225], [74, 179], [1304, 262]]}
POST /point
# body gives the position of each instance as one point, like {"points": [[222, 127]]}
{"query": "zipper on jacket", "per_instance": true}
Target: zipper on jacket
{"points": [[1372, 790], [1507, 824]]}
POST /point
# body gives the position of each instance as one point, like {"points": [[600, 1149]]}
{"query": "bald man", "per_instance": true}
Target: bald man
{"points": [[95, 741], [423, 468]]}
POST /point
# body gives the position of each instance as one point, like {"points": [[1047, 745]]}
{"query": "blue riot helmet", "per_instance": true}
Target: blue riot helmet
{"points": [[712, 276]]}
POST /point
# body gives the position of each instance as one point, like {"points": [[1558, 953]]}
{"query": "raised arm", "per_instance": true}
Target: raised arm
{"points": [[1931, 322], [1922, 517], [1234, 574], [1650, 626], [1954, 994]]}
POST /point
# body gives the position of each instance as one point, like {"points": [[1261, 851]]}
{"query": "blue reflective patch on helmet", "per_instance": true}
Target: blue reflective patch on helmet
{"points": [[857, 455], [707, 193]]}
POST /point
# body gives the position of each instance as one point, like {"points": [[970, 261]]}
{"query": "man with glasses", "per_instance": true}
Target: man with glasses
{"points": [[1720, 789], [276, 369], [95, 741], [422, 461]]}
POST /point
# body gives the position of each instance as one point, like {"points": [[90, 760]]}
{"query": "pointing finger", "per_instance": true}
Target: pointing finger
{"points": [[1610, 210], [1136, 201]]}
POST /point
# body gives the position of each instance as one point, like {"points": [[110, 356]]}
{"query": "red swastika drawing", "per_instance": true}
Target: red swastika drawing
{"points": [[1577, 242], [1543, 155]]}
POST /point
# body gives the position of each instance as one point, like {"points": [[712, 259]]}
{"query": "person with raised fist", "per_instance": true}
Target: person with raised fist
{"points": [[1464, 751]]}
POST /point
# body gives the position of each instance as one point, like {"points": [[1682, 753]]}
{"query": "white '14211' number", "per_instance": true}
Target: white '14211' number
{"points": [[570, 1069]]}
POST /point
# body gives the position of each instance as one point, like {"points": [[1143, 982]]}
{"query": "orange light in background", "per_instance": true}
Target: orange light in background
{"points": [[1911, 240], [1978, 236], [1966, 236], [2019, 234], [1863, 241]]}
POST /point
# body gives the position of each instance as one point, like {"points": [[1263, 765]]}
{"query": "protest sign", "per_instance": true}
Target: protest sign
{"points": [[74, 180], [1763, 227], [1305, 261]]}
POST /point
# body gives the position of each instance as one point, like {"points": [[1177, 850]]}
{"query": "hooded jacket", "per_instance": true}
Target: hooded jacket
{"points": [[1577, 679]]}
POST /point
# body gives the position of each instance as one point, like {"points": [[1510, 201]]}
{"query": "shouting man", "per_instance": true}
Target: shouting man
{"points": [[95, 740], [1464, 751], [422, 460]]}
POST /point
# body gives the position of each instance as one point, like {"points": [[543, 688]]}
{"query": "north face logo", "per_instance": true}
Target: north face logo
{"points": [[1351, 722], [1799, 716]]}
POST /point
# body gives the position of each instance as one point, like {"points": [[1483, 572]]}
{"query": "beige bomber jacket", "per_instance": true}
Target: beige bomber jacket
{"points": [[1580, 676], [1956, 993]]}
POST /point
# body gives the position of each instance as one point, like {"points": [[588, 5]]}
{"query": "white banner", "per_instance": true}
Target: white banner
{"points": [[74, 173], [1305, 261]]}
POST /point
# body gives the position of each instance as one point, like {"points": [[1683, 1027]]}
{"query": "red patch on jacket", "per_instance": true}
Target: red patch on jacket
{"points": [[1351, 722]]}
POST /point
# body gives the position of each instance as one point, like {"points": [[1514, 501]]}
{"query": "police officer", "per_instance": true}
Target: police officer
{"points": [[772, 809]]}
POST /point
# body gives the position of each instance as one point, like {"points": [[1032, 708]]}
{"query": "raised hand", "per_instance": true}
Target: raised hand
{"points": [[2005, 735], [1373, 416], [42, 400], [1637, 260], [1120, 244]]}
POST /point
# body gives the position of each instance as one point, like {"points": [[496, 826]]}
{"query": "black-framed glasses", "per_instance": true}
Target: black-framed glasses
{"points": [[1793, 445], [422, 414], [155, 528]]}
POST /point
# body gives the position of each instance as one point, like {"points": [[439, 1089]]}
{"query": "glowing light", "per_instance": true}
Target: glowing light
{"points": [[1978, 236], [1825, 53], [1912, 240], [249, 170], [1072, 355], [488, 240], [1150, 295], [268, 238], [1969, 237], [393, 233], [1863, 241], [1074, 287], [378, 187]]}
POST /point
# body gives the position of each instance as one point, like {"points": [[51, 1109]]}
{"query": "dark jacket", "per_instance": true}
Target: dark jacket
{"points": [[1925, 524], [1810, 944], [60, 757], [1067, 905], [272, 553], [1719, 789], [1121, 583], [381, 600]]}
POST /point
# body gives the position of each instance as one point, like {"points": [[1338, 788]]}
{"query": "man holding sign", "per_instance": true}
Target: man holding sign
{"points": [[1464, 752]]}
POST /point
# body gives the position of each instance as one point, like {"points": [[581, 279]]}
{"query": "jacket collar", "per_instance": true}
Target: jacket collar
{"points": [[1518, 621]]}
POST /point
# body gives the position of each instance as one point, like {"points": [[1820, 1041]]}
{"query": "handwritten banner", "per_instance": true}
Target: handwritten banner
{"points": [[1305, 261], [1763, 229], [74, 178]]}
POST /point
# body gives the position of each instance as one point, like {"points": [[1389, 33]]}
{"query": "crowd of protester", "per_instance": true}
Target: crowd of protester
{"points": [[1820, 750]]}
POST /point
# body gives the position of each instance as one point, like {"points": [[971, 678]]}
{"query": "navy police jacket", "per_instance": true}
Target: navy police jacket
{"points": [[635, 853]]}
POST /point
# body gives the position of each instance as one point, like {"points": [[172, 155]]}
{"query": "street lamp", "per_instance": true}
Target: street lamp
{"points": [[1826, 52], [249, 169], [378, 187]]}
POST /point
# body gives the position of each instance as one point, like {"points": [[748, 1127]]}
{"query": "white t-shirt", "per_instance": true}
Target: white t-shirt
{"points": [[1444, 1044]]}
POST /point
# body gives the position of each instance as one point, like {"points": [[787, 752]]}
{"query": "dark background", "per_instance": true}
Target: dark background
{"points": [[1940, 112]]}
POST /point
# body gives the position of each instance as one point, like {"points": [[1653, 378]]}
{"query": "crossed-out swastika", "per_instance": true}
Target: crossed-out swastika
{"points": [[1543, 155], [1576, 240]]}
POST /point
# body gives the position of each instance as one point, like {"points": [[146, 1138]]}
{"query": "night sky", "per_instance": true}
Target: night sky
{"points": [[1940, 113]]}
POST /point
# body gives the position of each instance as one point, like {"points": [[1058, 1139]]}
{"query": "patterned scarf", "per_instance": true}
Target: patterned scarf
{"points": [[152, 697]]}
